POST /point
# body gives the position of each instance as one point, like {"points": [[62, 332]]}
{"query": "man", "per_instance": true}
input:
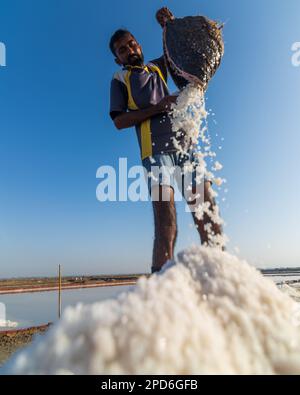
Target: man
{"points": [[140, 98]]}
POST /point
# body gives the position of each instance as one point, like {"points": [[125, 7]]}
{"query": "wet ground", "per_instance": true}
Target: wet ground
{"points": [[11, 341]]}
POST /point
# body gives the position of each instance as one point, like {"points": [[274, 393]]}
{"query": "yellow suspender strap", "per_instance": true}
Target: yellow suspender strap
{"points": [[153, 67], [131, 102], [146, 140]]}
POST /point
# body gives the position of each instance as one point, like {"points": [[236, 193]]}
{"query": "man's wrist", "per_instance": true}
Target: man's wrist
{"points": [[157, 109]]}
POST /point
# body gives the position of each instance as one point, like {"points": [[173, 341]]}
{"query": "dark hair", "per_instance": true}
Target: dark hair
{"points": [[116, 37]]}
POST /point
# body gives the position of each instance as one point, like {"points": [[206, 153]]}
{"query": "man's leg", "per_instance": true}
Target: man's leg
{"points": [[215, 229], [165, 228]]}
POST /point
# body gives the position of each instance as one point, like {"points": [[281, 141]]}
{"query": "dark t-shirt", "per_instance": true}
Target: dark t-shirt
{"points": [[138, 88]]}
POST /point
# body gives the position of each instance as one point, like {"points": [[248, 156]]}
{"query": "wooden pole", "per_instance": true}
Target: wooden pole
{"points": [[59, 291]]}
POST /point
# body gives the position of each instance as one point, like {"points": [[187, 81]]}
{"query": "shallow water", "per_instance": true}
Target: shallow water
{"points": [[31, 309]]}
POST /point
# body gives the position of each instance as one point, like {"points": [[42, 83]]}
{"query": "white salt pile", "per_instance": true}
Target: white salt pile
{"points": [[208, 312]]}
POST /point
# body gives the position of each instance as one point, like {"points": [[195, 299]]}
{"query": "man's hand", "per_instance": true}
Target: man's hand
{"points": [[165, 104], [163, 16]]}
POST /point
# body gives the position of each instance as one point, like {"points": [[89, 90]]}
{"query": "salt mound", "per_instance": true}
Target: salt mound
{"points": [[206, 313]]}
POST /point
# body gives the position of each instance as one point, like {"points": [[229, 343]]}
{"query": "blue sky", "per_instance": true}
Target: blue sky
{"points": [[56, 131]]}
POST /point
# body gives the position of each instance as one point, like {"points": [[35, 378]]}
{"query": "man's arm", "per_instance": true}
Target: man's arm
{"points": [[128, 119], [163, 16]]}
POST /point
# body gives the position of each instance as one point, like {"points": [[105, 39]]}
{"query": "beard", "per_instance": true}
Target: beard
{"points": [[136, 60]]}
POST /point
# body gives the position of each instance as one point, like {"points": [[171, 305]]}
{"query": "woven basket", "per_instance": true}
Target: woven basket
{"points": [[193, 48]]}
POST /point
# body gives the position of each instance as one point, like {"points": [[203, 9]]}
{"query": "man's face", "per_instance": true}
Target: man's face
{"points": [[128, 51]]}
